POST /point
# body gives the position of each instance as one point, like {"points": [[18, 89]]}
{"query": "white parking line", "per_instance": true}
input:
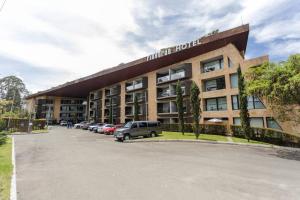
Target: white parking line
{"points": [[13, 188]]}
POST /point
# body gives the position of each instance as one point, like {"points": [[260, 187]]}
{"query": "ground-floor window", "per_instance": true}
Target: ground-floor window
{"points": [[272, 123], [254, 121]]}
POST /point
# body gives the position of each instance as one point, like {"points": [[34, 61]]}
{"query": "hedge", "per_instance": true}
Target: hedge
{"points": [[214, 129], [21, 124], [268, 135]]}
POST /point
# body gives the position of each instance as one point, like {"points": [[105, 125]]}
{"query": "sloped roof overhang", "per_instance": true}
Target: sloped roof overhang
{"points": [[81, 87]]}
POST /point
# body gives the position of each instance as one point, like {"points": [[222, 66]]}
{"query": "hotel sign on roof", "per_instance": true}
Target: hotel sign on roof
{"points": [[170, 50]]}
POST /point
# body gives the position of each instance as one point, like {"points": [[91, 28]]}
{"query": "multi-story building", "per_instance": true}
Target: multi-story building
{"points": [[211, 62]]}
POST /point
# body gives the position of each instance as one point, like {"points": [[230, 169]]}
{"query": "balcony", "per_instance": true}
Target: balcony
{"points": [[169, 91], [214, 84], [129, 111], [169, 107], [114, 90], [106, 113], [163, 79], [178, 75], [129, 98], [180, 72], [136, 84]]}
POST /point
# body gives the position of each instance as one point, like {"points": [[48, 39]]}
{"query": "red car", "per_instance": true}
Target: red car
{"points": [[108, 129]]}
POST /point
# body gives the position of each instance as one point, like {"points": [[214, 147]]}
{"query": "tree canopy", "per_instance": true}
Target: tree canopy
{"points": [[12, 88], [279, 85]]}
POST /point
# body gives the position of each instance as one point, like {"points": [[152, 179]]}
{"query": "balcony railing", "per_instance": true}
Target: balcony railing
{"points": [[163, 79], [178, 75], [130, 87]]}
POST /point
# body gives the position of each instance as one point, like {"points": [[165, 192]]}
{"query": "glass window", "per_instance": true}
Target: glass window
{"points": [[257, 103], [222, 104], [216, 104], [235, 102], [250, 102], [142, 124], [213, 65], [152, 124], [134, 125], [257, 122], [234, 80], [237, 121], [211, 104], [210, 85], [272, 123], [215, 84]]}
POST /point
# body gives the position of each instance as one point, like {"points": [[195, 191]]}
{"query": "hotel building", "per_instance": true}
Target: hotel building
{"points": [[211, 62]]}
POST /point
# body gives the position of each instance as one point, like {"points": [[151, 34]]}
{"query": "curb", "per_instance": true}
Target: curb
{"points": [[214, 142], [25, 133], [13, 187]]}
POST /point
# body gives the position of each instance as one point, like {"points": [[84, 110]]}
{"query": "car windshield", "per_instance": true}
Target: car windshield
{"points": [[128, 125]]}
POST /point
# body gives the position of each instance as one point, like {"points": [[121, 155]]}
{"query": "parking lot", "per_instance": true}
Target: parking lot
{"points": [[77, 164]]}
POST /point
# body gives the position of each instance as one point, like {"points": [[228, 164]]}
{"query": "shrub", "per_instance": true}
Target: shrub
{"points": [[204, 128], [2, 125], [268, 135], [3, 138]]}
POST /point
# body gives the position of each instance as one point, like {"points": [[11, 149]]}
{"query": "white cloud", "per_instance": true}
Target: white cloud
{"points": [[285, 48], [82, 37]]}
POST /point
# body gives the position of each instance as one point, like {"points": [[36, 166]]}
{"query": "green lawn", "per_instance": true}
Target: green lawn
{"points": [[5, 169], [242, 140], [190, 136], [166, 135]]}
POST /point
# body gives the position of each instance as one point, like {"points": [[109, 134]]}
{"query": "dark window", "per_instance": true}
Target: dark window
{"points": [[215, 84], [253, 102], [272, 123], [142, 124], [234, 80], [235, 102], [212, 65], [152, 124], [216, 104], [134, 125]]}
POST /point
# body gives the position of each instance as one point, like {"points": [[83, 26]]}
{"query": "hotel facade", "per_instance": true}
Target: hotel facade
{"points": [[211, 62]]}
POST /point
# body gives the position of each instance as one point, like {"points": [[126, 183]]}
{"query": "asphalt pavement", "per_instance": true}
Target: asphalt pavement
{"points": [[75, 164]]}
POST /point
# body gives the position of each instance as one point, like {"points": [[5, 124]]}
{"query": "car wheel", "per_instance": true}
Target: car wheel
{"points": [[153, 134], [127, 137]]}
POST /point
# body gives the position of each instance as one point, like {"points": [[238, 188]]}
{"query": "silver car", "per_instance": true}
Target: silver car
{"points": [[138, 128]]}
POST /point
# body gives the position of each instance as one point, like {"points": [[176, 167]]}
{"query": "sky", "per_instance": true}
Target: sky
{"points": [[50, 42]]}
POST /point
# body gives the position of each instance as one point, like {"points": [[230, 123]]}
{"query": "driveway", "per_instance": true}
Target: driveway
{"points": [[75, 164]]}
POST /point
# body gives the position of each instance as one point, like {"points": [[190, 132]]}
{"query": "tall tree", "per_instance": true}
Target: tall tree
{"points": [[244, 113], [279, 85], [135, 108], [13, 89], [179, 102], [195, 105]]}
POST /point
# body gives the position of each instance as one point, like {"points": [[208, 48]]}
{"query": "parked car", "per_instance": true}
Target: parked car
{"points": [[138, 128], [63, 123], [108, 129], [86, 126], [99, 127], [91, 126], [80, 125], [95, 126]]}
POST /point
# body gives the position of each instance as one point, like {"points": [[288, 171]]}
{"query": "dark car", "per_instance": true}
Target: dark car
{"points": [[138, 128]]}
